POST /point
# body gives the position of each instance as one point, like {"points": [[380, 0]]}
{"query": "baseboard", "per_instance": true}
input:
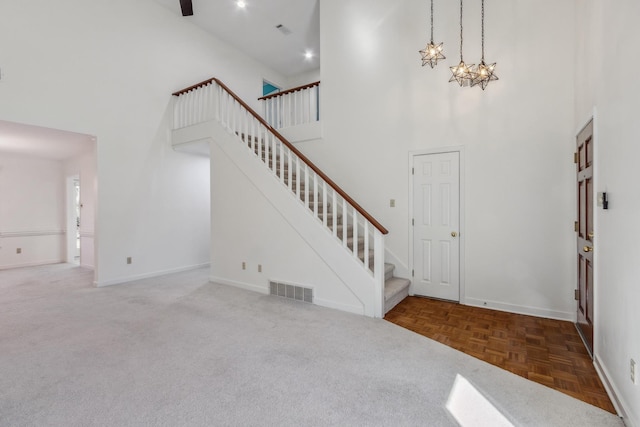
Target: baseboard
{"points": [[520, 309], [242, 285], [618, 404], [337, 306], [31, 264], [127, 279]]}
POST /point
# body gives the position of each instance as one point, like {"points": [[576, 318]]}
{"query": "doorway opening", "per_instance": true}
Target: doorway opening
{"points": [[73, 220]]}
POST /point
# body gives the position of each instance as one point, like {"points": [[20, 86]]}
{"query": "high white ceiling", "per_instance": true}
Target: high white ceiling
{"points": [[42, 142], [253, 29]]}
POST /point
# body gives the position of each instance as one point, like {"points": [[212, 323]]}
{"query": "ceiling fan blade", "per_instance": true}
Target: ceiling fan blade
{"points": [[187, 7]]}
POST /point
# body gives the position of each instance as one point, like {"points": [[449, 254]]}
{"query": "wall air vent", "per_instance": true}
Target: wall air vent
{"points": [[290, 291], [284, 30]]}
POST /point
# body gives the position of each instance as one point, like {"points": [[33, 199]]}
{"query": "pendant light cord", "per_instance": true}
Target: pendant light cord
{"points": [[482, 26], [431, 21], [460, 30]]}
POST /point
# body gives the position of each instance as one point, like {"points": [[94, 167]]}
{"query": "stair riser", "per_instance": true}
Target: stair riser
{"points": [[360, 243], [330, 219], [340, 228], [361, 257], [320, 205], [310, 196], [395, 300]]}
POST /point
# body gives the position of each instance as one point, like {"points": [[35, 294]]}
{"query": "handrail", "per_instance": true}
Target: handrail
{"points": [[195, 86], [288, 91], [290, 146]]}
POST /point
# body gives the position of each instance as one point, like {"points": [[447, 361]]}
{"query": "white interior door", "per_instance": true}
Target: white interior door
{"points": [[436, 225]]}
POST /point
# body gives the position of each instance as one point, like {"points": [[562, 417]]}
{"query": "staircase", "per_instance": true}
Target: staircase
{"points": [[210, 110], [395, 288]]}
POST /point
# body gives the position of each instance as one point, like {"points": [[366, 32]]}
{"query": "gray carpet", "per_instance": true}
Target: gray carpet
{"points": [[179, 351]]}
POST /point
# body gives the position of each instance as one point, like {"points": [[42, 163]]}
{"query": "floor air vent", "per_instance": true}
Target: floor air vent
{"points": [[287, 290]]}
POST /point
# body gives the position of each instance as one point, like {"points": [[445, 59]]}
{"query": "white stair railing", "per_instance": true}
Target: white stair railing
{"points": [[292, 107], [352, 227]]}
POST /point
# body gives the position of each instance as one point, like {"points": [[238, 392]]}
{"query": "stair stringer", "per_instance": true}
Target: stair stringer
{"points": [[193, 139], [347, 272]]}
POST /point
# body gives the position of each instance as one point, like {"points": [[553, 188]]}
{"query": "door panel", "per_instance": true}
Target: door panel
{"points": [[445, 257], [584, 240], [426, 209], [426, 260], [436, 222]]}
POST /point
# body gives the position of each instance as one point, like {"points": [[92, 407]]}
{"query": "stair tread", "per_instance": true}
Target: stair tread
{"points": [[394, 286]]}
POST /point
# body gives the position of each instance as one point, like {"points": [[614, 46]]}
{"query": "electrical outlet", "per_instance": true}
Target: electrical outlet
{"points": [[632, 368], [259, 268], [244, 265], [129, 260], [392, 203], [18, 250]]}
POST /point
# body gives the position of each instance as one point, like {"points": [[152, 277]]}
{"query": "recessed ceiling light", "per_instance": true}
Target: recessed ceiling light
{"points": [[308, 55], [241, 4]]}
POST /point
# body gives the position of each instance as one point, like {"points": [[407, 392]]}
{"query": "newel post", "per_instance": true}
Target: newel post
{"points": [[378, 273]]}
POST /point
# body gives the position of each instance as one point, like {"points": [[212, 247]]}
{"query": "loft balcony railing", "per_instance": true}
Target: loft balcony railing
{"points": [[293, 107]]}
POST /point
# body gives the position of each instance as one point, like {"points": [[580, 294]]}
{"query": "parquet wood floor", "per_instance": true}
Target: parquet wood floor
{"points": [[549, 352]]}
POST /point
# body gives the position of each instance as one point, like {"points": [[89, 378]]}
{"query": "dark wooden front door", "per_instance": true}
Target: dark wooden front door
{"points": [[585, 233]]}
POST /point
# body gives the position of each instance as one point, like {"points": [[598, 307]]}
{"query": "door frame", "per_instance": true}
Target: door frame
{"points": [[460, 149]]}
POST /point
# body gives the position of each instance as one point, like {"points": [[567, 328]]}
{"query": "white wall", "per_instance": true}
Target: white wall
{"points": [[607, 37], [31, 211], [84, 166], [379, 105], [303, 79], [107, 68]]}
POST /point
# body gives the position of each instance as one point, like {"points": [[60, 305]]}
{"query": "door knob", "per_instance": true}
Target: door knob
{"points": [[587, 249], [454, 234]]}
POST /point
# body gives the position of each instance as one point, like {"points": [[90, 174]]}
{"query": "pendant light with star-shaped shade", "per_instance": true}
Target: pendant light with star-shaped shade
{"points": [[462, 73], [483, 73], [432, 53]]}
